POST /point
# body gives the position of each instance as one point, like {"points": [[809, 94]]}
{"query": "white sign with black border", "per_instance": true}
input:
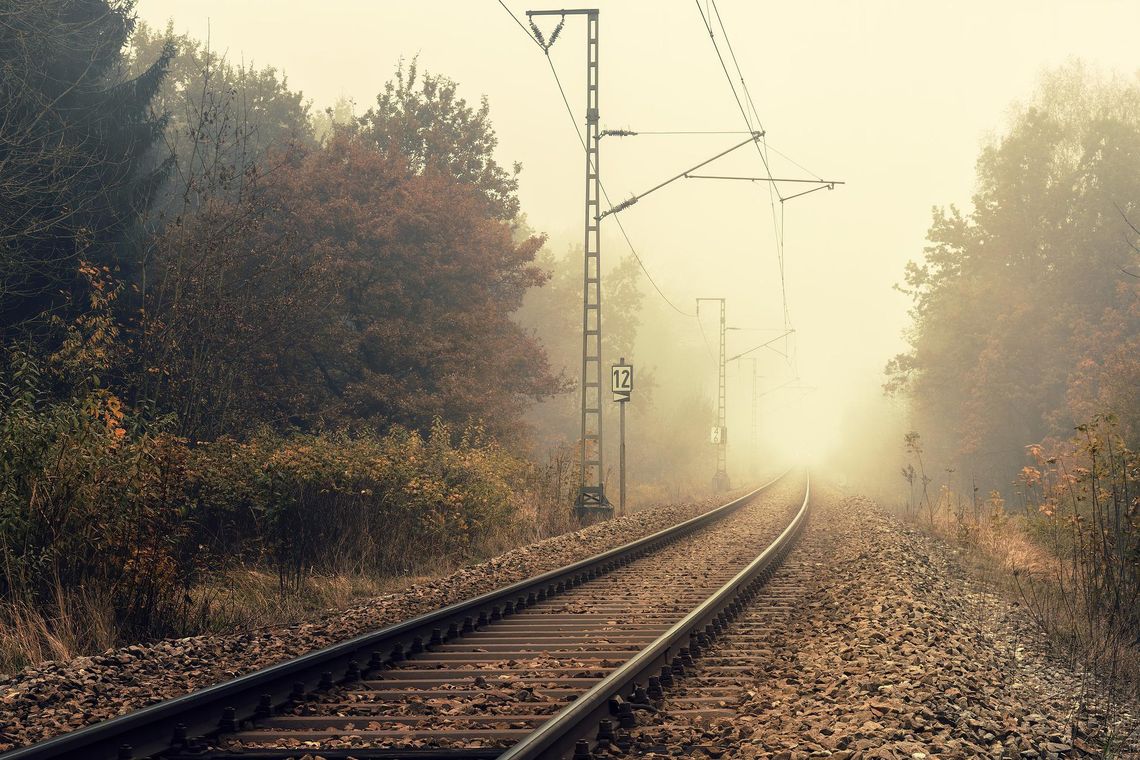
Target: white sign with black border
{"points": [[621, 381]]}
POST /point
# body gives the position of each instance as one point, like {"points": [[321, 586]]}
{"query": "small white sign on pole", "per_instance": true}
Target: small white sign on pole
{"points": [[621, 381]]}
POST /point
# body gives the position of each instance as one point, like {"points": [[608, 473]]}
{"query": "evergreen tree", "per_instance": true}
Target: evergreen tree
{"points": [[77, 161]]}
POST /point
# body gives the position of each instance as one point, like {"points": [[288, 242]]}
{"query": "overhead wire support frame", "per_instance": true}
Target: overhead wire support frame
{"points": [[823, 184], [591, 499], [765, 344], [753, 137]]}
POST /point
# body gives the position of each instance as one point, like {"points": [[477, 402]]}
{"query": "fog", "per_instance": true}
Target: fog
{"points": [[894, 99]]}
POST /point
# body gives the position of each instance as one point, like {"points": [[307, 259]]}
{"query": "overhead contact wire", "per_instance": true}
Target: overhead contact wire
{"points": [[520, 23], [582, 142], [621, 227], [777, 224]]}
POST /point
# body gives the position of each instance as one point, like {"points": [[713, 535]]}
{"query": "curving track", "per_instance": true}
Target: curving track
{"points": [[532, 670]]}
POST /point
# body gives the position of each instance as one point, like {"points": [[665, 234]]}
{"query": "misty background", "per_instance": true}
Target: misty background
{"points": [[895, 99]]}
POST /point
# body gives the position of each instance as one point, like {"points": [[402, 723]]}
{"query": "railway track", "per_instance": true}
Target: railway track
{"points": [[708, 697], [547, 667]]}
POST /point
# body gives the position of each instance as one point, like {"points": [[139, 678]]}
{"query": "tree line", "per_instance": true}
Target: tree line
{"points": [[242, 334], [1026, 320], [234, 330], [256, 274], [1023, 372]]}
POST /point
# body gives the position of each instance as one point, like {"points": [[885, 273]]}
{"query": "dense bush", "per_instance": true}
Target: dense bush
{"points": [[336, 503], [103, 515], [90, 514]]}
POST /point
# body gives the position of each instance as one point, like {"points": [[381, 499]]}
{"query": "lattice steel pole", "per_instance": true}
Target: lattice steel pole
{"points": [[720, 432], [592, 493], [591, 499], [721, 478], [755, 411]]}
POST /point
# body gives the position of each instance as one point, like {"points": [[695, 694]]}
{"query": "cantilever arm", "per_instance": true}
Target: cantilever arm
{"points": [[762, 345], [630, 201]]}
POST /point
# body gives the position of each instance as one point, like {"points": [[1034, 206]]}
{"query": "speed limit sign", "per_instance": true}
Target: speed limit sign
{"points": [[621, 381]]}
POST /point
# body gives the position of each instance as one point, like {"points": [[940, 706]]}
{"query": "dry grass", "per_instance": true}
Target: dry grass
{"points": [[83, 623], [241, 599], [250, 597], [30, 637], [1003, 552], [1005, 541]]}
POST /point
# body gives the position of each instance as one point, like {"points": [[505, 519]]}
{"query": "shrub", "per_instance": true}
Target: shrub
{"points": [[88, 507], [108, 523], [1087, 500], [338, 503]]}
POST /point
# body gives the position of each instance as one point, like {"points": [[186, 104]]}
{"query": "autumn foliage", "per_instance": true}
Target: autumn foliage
{"points": [[1026, 328], [100, 515], [344, 289], [253, 347], [1027, 309]]}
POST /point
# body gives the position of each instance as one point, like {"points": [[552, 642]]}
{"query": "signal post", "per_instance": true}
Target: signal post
{"points": [[621, 384]]}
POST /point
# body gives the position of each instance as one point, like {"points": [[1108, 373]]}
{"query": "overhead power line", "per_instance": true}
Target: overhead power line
{"points": [[526, 31], [777, 223], [606, 195], [765, 344], [736, 64], [768, 146], [582, 142], [731, 84]]}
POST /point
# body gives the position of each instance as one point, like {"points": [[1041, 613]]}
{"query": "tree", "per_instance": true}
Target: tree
{"points": [[228, 125], [222, 117], [347, 290], [77, 163], [426, 122], [228, 297], [1023, 313], [340, 115]]}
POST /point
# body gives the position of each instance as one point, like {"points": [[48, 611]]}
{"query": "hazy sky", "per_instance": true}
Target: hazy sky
{"points": [[893, 97]]}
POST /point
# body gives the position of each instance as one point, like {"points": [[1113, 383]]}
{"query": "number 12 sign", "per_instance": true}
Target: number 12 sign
{"points": [[621, 381]]}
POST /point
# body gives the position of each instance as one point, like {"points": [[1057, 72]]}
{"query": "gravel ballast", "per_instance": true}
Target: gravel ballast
{"points": [[55, 697], [892, 652]]}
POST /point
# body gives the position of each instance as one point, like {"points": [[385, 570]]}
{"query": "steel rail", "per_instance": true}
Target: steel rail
{"points": [[166, 726], [559, 735]]}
